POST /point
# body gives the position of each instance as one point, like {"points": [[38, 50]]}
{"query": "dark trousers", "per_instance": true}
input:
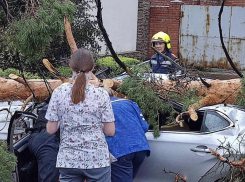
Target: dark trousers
{"points": [[45, 149], [127, 166]]}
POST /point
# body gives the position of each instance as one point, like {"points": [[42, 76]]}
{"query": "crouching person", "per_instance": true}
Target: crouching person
{"points": [[44, 148], [129, 144]]}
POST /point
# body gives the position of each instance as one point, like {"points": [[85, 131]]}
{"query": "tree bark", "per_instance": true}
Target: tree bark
{"points": [[222, 91], [11, 90]]}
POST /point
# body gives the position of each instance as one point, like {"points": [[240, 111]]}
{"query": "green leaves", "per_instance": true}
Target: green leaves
{"points": [[37, 31], [186, 98], [115, 68], [7, 72], [156, 110], [240, 97], [33, 33], [7, 161], [151, 105]]}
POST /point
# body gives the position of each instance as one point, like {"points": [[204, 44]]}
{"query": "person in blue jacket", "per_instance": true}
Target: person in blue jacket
{"points": [[158, 63], [129, 144]]}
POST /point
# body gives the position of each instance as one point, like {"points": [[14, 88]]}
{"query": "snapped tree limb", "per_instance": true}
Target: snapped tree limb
{"points": [[107, 40], [222, 42], [239, 164]]}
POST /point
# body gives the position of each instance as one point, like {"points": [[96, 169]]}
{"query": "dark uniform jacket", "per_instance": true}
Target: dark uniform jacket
{"points": [[159, 64]]}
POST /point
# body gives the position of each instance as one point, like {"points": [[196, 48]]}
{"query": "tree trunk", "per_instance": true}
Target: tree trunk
{"points": [[221, 91], [11, 90]]}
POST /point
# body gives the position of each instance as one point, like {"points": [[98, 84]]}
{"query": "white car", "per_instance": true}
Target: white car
{"points": [[178, 150], [186, 151]]}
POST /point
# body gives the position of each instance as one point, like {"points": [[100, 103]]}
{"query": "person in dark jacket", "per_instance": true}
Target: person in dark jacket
{"points": [[159, 63], [44, 147], [129, 144]]}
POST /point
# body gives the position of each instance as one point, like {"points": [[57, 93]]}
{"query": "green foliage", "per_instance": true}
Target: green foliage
{"points": [[151, 105], [115, 68], [31, 34], [149, 101], [37, 31], [66, 71], [240, 97], [187, 98], [7, 161], [9, 71]]}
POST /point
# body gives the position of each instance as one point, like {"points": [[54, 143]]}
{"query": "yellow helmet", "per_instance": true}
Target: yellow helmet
{"points": [[161, 37]]}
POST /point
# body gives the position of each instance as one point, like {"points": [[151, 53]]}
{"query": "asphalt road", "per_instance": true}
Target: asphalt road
{"points": [[215, 73]]}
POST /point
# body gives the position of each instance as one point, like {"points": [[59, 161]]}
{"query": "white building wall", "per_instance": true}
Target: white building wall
{"points": [[120, 22]]}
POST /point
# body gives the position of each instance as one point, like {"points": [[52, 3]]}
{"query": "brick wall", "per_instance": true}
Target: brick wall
{"points": [[164, 15]]}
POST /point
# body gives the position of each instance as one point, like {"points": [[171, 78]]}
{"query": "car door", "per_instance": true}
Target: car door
{"points": [[6, 111], [186, 153]]}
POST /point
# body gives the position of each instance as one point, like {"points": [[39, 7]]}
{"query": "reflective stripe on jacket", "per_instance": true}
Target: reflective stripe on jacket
{"points": [[161, 65]]}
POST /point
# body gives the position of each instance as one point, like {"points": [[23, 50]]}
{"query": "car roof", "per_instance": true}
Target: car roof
{"points": [[234, 112]]}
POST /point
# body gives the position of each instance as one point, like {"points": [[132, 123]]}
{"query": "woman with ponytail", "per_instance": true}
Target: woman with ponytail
{"points": [[83, 112]]}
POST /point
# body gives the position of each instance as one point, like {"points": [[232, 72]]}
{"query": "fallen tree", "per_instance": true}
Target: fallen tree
{"points": [[221, 91], [14, 89], [212, 91]]}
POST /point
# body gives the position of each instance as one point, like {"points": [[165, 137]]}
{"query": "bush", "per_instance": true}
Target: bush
{"points": [[7, 72], [115, 68], [7, 161], [66, 71]]}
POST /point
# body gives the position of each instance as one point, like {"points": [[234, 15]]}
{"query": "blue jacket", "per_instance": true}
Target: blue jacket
{"points": [[161, 65], [130, 129]]}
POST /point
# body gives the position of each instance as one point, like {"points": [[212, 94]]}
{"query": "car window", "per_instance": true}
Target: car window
{"points": [[213, 122]]}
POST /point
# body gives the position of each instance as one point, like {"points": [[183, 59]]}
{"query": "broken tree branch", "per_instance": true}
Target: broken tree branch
{"points": [[238, 164], [26, 102], [4, 4], [107, 40], [169, 59], [222, 42], [17, 78], [55, 72], [180, 68], [69, 35], [177, 176]]}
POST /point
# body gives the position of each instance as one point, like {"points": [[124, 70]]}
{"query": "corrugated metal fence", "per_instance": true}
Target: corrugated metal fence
{"points": [[199, 39]]}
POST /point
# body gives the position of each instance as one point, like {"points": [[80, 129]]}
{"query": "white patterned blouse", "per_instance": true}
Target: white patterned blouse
{"points": [[82, 141]]}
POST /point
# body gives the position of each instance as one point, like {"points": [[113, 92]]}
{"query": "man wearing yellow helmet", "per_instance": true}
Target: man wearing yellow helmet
{"points": [[159, 63]]}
